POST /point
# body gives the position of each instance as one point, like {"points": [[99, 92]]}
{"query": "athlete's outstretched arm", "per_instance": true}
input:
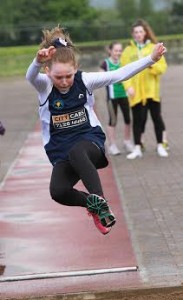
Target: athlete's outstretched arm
{"points": [[94, 80]]}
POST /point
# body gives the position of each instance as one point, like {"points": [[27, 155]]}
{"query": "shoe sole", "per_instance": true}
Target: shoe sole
{"points": [[109, 216]]}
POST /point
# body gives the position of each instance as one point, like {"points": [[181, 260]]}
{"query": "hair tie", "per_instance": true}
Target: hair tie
{"points": [[59, 43]]}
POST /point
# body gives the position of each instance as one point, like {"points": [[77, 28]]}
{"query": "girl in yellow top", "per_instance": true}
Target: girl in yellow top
{"points": [[144, 88]]}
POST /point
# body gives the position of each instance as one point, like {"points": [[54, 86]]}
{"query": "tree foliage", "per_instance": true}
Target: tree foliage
{"points": [[70, 10], [35, 11], [21, 21], [127, 12], [177, 8], [145, 8]]}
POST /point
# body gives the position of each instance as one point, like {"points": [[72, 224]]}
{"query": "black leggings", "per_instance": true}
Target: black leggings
{"points": [[140, 112], [145, 120], [84, 160], [112, 105]]}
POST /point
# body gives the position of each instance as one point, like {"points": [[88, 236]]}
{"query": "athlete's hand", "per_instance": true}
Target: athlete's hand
{"points": [[44, 55], [131, 92], [158, 51]]}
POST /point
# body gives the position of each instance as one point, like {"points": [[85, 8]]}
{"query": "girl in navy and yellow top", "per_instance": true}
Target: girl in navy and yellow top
{"points": [[116, 97]]}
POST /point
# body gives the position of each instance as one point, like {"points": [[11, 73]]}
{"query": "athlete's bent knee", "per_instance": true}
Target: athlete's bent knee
{"points": [[59, 195]]}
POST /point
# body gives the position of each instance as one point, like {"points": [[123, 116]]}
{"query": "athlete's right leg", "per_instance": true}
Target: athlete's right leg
{"points": [[63, 179]]}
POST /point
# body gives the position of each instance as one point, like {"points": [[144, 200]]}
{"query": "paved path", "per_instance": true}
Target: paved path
{"points": [[18, 112], [151, 192]]}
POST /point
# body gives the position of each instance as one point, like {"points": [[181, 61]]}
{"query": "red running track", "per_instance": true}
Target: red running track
{"points": [[39, 236]]}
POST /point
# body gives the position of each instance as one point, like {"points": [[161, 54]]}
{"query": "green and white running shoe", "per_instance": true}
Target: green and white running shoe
{"points": [[98, 205]]}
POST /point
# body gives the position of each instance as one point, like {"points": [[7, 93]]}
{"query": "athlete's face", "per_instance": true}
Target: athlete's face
{"points": [[139, 34], [62, 75], [116, 51]]}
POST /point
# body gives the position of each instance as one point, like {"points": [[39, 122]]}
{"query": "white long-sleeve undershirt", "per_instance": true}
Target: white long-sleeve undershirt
{"points": [[92, 80]]}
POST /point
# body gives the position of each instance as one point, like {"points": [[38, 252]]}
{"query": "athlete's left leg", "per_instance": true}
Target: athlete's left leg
{"points": [[85, 158]]}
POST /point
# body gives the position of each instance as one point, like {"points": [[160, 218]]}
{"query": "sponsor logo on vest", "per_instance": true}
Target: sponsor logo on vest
{"points": [[71, 119]]}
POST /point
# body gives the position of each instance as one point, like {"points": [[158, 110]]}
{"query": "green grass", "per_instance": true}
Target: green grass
{"points": [[15, 60], [170, 37]]}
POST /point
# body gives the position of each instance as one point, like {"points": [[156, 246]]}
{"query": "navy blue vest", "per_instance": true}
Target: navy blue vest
{"points": [[70, 122]]}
